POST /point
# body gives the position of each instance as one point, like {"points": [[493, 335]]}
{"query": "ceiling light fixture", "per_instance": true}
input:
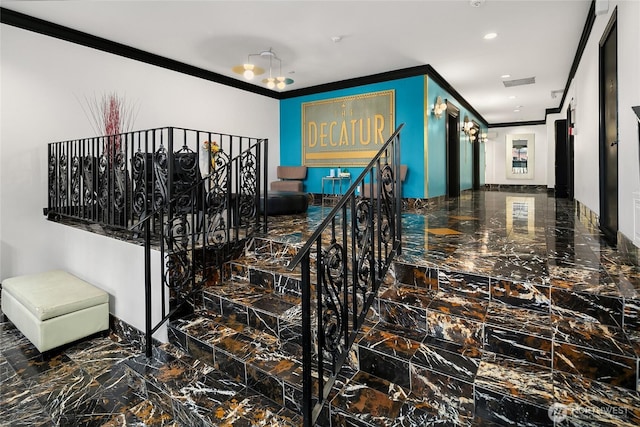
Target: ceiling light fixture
{"points": [[249, 70], [505, 76], [490, 36], [439, 107]]}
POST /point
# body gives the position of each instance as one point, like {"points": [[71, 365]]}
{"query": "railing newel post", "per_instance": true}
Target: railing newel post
{"points": [[398, 166], [265, 166], [147, 288]]}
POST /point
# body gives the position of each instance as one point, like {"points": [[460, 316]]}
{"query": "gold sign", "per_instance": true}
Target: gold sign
{"points": [[346, 131]]}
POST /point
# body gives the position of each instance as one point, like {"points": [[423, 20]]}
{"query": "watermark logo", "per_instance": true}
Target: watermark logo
{"points": [[558, 412]]}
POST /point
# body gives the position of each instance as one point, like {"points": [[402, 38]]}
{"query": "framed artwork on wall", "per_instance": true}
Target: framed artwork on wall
{"points": [[346, 131], [520, 156]]}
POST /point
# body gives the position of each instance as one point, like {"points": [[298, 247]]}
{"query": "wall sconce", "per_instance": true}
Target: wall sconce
{"points": [[469, 129], [439, 107]]}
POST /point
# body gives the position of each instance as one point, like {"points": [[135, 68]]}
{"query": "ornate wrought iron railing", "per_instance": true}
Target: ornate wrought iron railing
{"points": [[352, 250], [115, 180], [195, 204]]}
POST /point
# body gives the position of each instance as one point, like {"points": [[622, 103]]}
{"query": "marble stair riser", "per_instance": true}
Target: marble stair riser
{"points": [[281, 283], [519, 345], [595, 308], [453, 398], [507, 410], [614, 369]]}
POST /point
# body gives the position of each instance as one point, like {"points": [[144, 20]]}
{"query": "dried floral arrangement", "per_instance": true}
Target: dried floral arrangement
{"points": [[110, 115]]}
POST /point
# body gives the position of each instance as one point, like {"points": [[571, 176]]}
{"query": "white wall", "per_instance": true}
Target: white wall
{"points": [[496, 149], [41, 81], [584, 88]]}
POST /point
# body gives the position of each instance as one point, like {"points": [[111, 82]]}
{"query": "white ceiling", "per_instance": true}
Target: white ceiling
{"points": [[536, 38]]}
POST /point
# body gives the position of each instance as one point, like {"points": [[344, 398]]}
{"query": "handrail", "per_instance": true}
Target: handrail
{"points": [[364, 234], [298, 258]]}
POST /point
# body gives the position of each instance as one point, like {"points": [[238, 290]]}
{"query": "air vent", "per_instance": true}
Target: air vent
{"points": [[519, 82]]}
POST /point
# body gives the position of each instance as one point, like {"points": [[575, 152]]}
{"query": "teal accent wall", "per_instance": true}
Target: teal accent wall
{"points": [[410, 104], [409, 108], [437, 148]]}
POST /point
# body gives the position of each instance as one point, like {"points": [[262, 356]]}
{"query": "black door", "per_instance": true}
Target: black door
{"points": [[570, 164], [562, 160], [453, 151], [609, 132]]}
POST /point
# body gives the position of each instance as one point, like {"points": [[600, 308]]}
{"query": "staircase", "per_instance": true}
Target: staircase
{"points": [[441, 344], [444, 347]]}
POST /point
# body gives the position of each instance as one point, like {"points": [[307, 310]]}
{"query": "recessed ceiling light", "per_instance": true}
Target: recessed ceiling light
{"points": [[490, 36], [512, 97], [516, 111], [505, 76]]}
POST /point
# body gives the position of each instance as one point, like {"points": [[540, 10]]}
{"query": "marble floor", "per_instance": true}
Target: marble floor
{"points": [[516, 301]]}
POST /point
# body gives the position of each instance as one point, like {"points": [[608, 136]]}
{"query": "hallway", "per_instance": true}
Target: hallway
{"points": [[508, 304]]}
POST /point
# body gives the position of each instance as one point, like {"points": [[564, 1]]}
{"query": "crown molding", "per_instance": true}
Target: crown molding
{"points": [[582, 44], [516, 124]]}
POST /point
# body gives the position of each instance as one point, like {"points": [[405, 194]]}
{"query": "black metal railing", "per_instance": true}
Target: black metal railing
{"points": [[197, 206], [352, 250], [114, 180]]}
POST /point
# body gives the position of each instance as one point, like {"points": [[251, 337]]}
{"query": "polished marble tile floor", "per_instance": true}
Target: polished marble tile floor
{"points": [[515, 269]]}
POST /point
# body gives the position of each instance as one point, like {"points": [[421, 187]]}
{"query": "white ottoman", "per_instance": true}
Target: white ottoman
{"points": [[54, 308]]}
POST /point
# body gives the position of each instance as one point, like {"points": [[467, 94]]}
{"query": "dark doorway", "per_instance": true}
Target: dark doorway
{"points": [[453, 150], [562, 160], [570, 159], [609, 131], [475, 177]]}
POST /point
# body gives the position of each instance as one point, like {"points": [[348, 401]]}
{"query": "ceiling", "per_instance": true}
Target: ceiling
{"points": [[536, 38]]}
